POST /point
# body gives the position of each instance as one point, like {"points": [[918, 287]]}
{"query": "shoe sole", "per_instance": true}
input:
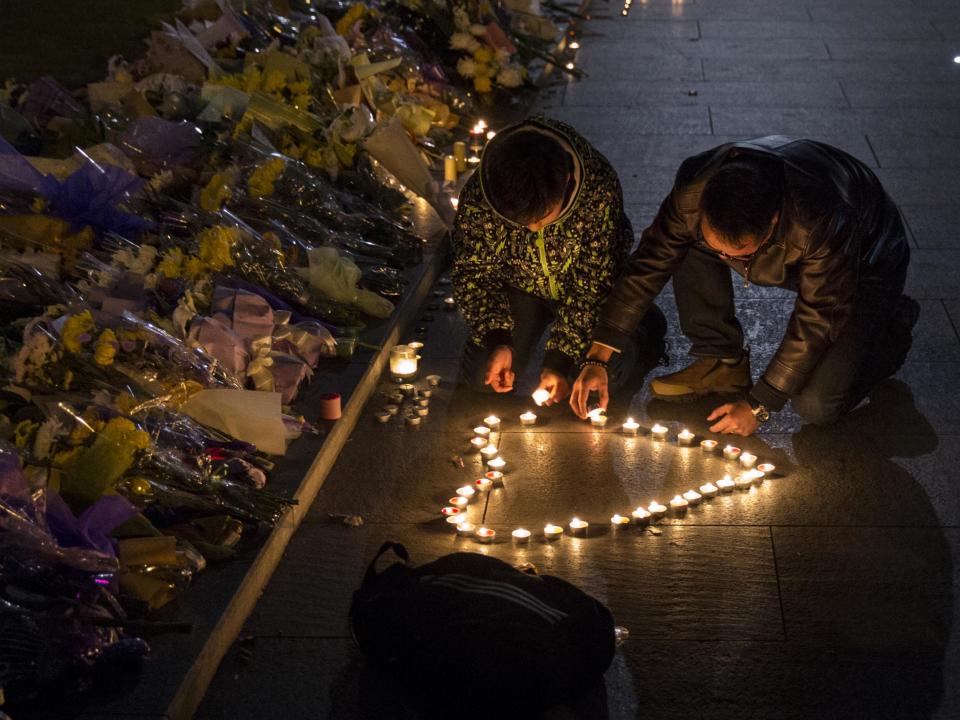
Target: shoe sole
{"points": [[693, 396]]}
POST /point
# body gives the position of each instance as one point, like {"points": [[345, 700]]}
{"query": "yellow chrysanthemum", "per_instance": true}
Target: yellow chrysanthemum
{"points": [[76, 331], [262, 179], [216, 247], [483, 55], [356, 12], [482, 84], [273, 81], [193, 268], [171, 265], [23, 433], [217, 191], [106, 348]]}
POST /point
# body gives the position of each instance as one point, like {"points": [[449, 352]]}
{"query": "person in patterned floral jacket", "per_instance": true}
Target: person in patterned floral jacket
{"points": [[540, 237]]}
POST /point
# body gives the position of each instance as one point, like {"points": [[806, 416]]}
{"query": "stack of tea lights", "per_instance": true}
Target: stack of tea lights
{"points": [[486, 442]]}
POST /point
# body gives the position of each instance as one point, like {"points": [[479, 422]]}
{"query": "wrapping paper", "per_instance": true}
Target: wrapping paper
{"points": [[249, 415]]}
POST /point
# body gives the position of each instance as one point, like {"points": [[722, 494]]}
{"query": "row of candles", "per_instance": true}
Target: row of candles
{"points": [[752, 475], [457, 163]]}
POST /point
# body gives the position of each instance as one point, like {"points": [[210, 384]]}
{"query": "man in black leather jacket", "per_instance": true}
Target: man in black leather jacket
{"points": [[795, 214]]}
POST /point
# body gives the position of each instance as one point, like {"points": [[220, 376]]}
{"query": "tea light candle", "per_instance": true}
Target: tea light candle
{"points": [[528, 418], [743, 481], [423, 411], [541, 396], [425, 393], [520, 535], [619, 521], [748, 459], [598, 419], [756, 476], [407, 389], [415, 345], [497, 463], [630, 427], [450, 510], [383, 416], [486, 535], [766, 468], [725, 484], [434, 380], [731, 453], [481, 431], [423, 402], [709, 490], [489, 451], [466, 529], [456, 519], [483, 484], [659, 432], [403, 362], [552, 532], [466, 492], [478, 443], [679, 503], [708, 446], [492, 422], [692, 497], [396, 398], [458, 501], [641, 516], [413, 420], [449, 303], [656, 509], [391, 409], [579, 527], [685, 437], [495, 477]]}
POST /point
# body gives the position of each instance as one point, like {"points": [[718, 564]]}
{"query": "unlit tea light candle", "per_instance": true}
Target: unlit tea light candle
{"points": [[708, 446], [434, 380], [528, 418], [685, 437], [383, 416], [731, 452], [631, 427], [659, 432]]}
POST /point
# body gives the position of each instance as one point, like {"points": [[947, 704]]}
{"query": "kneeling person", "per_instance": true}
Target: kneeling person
{"points": [[793, 214], [539, 238]]}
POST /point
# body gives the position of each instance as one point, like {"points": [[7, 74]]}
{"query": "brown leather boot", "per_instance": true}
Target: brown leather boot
{"points": [[704, 376]]}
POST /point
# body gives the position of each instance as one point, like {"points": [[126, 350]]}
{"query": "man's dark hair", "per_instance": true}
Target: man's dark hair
{"points": [[742, 198], [525, 175]]}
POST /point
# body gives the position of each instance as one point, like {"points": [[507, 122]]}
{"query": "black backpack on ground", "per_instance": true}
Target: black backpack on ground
{"points": [[472, 626]]}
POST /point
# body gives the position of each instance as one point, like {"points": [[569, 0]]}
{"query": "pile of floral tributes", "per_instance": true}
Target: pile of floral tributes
{"points": [[181, 246]]}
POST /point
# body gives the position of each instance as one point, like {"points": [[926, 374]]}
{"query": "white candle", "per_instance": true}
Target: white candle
{"points": [[456, 519], [396, 398], [481, 431], [492, 422], [486, 535], [709, 490], [743, 481], [521, 535], [434, 380], [449, 303], [708, 446], [491, 134], [619, 520], [641, 516], [423, 411], [391, 409], [574, 45], [450, 510], [478, 443], [692, 497], [384, 416], [406, 389], [685, 437], [725, 484], [731, 453], [630, 427], [423, 402], [528, 418], [552, 532], [748, 459], [766, 468], [756, 476], [495, 477], [425, 393], [466, 492], [489, 451], [656, 509], [416, 345], [679, 503], [578, 526], [659, 432], [597, 417], [466, 529], [541, 396], [497, 463], [458, 501], [413, 419], [483, 483]]}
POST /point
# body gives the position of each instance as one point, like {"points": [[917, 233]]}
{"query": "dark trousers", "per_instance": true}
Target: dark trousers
{"points": [[533, 315], [871, 346]]}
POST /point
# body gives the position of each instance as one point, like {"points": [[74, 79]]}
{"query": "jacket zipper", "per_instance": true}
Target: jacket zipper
{"points": [[542, 250]]}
